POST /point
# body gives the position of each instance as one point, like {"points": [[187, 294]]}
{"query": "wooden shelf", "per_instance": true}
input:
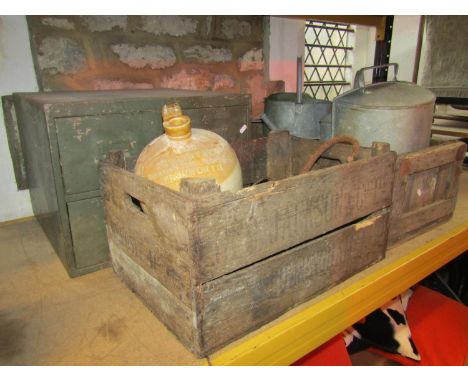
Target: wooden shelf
{"points": [[306, 327]]}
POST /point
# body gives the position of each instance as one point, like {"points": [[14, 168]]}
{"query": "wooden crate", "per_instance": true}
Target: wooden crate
{"points": [[214, 265], [425, 189]]}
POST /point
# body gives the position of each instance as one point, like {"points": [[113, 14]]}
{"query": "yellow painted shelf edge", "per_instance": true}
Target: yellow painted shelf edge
{"points": [[296, 336]]}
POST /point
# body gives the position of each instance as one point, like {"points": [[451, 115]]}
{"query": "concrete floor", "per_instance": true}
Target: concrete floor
{"points": [[47, 318]]}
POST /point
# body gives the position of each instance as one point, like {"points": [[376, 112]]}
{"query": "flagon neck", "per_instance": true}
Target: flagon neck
{"points": [[178, 128]]}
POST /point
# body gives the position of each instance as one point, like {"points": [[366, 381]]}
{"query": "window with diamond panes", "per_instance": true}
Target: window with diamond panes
{"points": [[328, 58]]}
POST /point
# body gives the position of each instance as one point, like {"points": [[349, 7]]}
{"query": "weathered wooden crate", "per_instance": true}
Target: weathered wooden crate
{"points": [[425, 189], [214, 265]]}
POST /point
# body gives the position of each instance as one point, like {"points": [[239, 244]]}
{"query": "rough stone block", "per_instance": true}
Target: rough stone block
{"points": [[58, 22], [169, 25], [61, 55], [207, 54], [104, 23], [233, 28], [239, 28], [251, 60], [223, 82], [154, 56], [189, 79]]}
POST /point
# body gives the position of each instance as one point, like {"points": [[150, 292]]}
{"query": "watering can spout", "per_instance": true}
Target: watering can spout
{"points": [[268, 122]]}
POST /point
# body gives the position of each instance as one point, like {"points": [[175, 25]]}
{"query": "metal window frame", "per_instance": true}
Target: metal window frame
{"points": [[338, 81]]}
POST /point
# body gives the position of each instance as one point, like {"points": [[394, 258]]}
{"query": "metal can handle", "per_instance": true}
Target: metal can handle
{"points": [[359, 77]]}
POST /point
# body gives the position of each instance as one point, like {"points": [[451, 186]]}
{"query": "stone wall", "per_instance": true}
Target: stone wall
{"points": [[219, 53]]}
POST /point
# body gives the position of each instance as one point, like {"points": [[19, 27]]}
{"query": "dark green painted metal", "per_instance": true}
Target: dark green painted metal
{"points": [[88, 232], [64, 135], [14, 142], [37, 156], [85, 140]]}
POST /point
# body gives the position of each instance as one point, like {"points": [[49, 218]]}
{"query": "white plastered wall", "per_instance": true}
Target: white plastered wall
{"points": [[363, 52], [16, 75], [286, 44], [404, 42]]}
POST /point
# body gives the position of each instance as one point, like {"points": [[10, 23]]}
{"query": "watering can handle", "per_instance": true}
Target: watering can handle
{"points": [[359, 77], [327, 144]]}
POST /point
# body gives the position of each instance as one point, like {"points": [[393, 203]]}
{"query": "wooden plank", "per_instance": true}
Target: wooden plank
{"points": [[460, 132], [239, 302], [420, 190], [294, 335], [325, 163], [252, 157], [431, 157], [445, 178], [153, 233], [198, 186], [279, 161], [173, 272], [170, 311], [408, 225], [260, 221], [455, 176]]}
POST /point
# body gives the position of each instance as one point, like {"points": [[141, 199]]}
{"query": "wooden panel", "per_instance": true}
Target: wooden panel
{"points": [[241, 301], [445, 181], [434, 156], [260, 221], [88, 232], [425, 189], [417, 221], [176, 316], [420, 189], [252, 158], [279, 155], [291, 337], [157, 237]]}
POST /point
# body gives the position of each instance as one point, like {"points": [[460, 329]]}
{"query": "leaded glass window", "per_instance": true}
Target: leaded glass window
{"points": [[328, 58]]}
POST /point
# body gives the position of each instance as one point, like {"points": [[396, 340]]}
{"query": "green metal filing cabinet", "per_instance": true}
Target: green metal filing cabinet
{"points": [[63, 135]]}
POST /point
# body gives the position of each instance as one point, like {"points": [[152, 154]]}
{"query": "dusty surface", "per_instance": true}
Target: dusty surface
{"points": [[47, 318]]}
